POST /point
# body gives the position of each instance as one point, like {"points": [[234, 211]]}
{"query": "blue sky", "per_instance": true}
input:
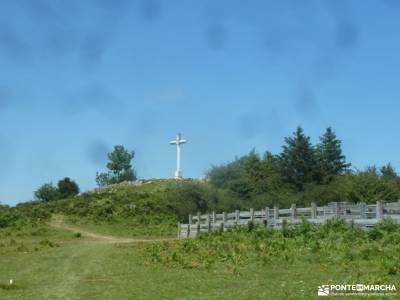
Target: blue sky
{"points": [[77, 77]]}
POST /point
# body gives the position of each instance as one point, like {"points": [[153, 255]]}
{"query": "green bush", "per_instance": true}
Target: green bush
{"points": [[8, 216], [335, 242]]}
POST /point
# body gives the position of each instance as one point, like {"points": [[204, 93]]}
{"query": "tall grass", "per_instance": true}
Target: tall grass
{"points": [[334, 244]]}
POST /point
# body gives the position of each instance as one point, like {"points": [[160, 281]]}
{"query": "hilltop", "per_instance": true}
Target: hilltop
{"points": [[148, 207]]}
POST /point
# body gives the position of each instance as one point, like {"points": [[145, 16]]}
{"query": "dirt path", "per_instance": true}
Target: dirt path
{"points": [[58, 222]]}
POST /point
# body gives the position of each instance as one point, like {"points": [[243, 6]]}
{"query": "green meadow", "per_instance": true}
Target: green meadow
{"points": [[120, 243], [56, 262]]}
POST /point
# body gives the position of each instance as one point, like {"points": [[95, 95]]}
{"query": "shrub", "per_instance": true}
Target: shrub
{"points": [[47, 192], [335, 242], [67, 188], [8, 216]]}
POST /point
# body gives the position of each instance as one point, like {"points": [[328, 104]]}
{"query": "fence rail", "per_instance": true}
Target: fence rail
{"points": [[364, 215]]}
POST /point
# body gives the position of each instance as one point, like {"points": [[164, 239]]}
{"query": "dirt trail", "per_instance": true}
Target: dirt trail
{"points": [[58, 222]]}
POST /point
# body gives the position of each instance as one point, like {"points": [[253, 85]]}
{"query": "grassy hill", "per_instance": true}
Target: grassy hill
{"points": [[119, 243], [152, 207], [124, 209]]}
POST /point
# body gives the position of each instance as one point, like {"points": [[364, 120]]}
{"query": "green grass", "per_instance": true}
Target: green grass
{"points": [[250, 263], [104, 271], [30, 238], [127, 227], [54, 264]]}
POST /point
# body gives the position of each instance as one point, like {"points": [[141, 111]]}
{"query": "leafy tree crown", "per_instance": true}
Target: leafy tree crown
{"points": [[119, 166], [67, 187]]}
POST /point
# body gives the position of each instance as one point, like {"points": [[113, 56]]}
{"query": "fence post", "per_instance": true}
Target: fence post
{"points": [[221, 228], [363, 210], [237, 216], [208, 223], [214, 217], [190, 223], [224, 217], [379, 210], [276, 215], [179, 230], [284, 224], [252, 215], [313, 210], [293, 211], [266, 216], [198, 222], [336, 209]]}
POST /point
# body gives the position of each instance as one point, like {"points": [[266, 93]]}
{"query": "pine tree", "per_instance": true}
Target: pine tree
{"points": [[298, 160], [331, 160], [252, 166], [388, 172], [119, 166]]}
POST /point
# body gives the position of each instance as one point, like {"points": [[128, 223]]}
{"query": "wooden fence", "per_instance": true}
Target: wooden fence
{"points": [[364, 215]]}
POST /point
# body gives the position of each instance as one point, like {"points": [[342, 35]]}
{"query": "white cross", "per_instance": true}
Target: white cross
{"points": [[178, 141]]}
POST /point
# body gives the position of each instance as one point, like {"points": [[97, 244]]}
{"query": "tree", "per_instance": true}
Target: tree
{"points": [[47, 192], [388, 172], [253, 168], [189, 197], [232, 176], [119, 166], [104, 179], [368, 186], [271, 168], [67, 187], [331, 160], [298, 160]]}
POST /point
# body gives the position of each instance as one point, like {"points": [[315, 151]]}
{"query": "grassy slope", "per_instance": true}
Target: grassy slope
{"points": [[127, 228], [152, 208], [50, 263], [85, 269], [124, 210], [66, 267]]}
